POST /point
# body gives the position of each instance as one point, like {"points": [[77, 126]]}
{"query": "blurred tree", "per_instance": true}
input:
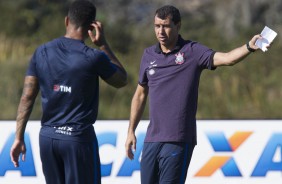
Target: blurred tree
{"points": [[252, 89]]}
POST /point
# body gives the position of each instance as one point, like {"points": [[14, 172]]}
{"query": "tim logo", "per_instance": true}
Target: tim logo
{"points": [[221, 144], [61, 88]]}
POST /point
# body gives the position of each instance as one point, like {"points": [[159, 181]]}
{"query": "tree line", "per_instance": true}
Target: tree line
{"points": [[249, 90]]}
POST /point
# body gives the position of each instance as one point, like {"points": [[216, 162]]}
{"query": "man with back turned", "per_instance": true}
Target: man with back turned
{"points": [[66, 71]]}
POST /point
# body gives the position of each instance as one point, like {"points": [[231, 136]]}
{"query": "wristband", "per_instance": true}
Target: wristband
{"points": [[249, 48]]}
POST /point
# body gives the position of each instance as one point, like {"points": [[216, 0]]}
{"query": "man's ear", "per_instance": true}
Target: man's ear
{"points": [[67, 20]]}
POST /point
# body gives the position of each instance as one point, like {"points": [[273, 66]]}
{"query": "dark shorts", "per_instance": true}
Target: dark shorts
{"points": [[165, 163], [69, 161]]}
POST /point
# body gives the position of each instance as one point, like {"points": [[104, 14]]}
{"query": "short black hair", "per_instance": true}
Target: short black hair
{"points": [[169, 11], [82, 13]]}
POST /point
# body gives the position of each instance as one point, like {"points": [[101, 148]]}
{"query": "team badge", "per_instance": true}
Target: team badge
{"points": [[179, 58], [152, 71]]}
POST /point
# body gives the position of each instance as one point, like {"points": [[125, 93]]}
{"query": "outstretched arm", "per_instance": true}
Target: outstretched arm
{"points": [[29, 94], [137, 108], [236, 55]]}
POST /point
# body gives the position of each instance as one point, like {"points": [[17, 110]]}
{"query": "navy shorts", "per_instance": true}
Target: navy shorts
{"points": [[165, 163], [70, 162]]}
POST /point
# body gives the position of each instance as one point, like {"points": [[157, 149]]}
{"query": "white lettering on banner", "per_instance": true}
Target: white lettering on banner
{"points": [[228, 151]]}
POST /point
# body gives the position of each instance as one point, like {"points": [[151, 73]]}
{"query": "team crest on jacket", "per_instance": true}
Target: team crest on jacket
{"points": [[179, 58]]}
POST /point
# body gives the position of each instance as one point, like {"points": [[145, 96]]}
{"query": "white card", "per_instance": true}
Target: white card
{"points": [[268, 36]]}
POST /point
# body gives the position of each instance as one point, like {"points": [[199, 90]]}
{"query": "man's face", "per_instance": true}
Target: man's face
{"points": [[166, 32]]}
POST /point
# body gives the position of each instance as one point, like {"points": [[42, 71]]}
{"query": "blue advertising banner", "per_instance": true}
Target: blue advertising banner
{"points": [[228, 151]]}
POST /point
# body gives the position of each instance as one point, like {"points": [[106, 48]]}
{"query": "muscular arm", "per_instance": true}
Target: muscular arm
{"points": [[118, 79], [28, 97], [137, 108], [234, 56]]}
